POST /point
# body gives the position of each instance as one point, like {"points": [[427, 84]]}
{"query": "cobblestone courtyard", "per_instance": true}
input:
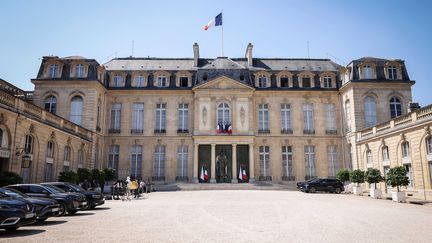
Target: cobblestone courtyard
{"points": [[238, 216]]}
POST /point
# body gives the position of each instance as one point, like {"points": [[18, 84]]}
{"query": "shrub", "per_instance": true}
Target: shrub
{"points": [[343, 175], [396, 177], [109, 174], [9, 178], [84, 174], [69, 176], [358, 176], [373, 176]]}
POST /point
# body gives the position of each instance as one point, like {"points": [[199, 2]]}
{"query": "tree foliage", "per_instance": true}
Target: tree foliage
{"points": [[84, 174], [343, 175], [396, 177], [373, 176], [358, 176], [109, 174], [69, 176], [9, 178]]}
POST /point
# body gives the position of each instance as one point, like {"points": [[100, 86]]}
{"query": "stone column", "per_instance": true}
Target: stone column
{"points": [[251, 163], [213, 163], [234, 164], [195, 164]]}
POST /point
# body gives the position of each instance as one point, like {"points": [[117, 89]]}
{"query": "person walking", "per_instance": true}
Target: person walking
{"points": [[128, 188]]}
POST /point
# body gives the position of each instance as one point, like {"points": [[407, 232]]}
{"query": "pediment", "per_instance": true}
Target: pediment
{"points": [[223, 83]]}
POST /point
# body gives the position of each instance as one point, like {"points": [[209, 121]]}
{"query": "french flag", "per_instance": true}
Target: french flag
{"points": [[217, 21], [218, 129]]}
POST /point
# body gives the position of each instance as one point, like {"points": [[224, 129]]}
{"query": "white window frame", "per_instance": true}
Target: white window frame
{"points": [[310, 167], [116, 116], [113, 156], [263, 117], [162, 81], [53, 71], [327, 81], [117, 81], [138, 117], [287, 160], [50, 149], [136, 161], [264, 156], [308, 117], [182, 161], [183, 117], [330, 110], [79, 71], [160, 116], [429, 145], [369, 159], [392, 72], [76, 109], [224, 113], [67, 153], [332, 160], [348, 115], [139, 81], [370, 115], [159, 162], [80, 158], [286, 125], [385, 153], [367, 72], [51, 101], [396, 104], [405, 150], [262, 81]]}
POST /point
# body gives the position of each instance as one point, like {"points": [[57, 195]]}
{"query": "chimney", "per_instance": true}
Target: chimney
{"points": [[248, 54], [412, 106], [196, 54]]}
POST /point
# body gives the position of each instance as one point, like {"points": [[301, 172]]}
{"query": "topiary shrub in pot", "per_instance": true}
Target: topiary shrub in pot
{"points": [[344, 176], [373, 176], [358, 177], [396, 177]]}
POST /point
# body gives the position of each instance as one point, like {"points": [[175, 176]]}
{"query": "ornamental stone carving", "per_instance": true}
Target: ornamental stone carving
{"points": [[204, 116], [242, 116]]}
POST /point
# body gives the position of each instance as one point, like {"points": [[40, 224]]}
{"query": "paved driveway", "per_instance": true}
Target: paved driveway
{"points": [[238, 216]]}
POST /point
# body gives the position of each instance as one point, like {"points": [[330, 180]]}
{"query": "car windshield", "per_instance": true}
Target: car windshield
{"points": [[314, 180], [76, 188], [53, 189], [12, 193]]}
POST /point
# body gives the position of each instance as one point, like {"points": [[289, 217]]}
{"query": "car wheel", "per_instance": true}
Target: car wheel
{"points": [[89, 205], [338, 190], [72, 212], [312, 189], [62, 209], [11, 228]]}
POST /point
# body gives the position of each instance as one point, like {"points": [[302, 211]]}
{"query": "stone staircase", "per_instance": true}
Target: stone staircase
{"points": [[256, 185]]}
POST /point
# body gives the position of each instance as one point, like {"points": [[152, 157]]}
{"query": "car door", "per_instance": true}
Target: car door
{"points": [[37, 191], [64, 187]]}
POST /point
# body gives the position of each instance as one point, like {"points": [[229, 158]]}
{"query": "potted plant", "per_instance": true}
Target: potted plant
{"points": [[358, 177], [343, 175], [373, 176], [396, 177]]}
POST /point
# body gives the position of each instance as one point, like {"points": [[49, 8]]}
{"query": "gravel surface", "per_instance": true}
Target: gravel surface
{"points": [[238, 216]]}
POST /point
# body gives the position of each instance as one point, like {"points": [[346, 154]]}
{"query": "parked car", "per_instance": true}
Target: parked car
{"points": [[44, 207], [15, 213], [68, 202], [321, 184], [93, 198]]}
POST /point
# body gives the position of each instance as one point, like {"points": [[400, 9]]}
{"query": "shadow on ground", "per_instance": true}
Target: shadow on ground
{"points": [[77, 214], [49, 222], [19, 233]]}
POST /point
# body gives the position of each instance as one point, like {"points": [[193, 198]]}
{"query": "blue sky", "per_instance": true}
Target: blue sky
{"points": [[340, 30]]}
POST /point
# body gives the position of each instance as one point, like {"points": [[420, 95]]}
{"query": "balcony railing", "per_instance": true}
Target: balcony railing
{"points": [[182, 131], [307, 131], [159, 131], [114, 130], [331, 131], [288, 178], [137, 131], [264, 131], [287, 131]]}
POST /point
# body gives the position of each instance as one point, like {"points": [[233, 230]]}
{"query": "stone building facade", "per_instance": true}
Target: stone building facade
{"points": [[171, 119]]}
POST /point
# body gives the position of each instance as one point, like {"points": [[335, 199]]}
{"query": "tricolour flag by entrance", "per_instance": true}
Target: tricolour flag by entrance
{"points": [[242, 174], [202, 173], [216, 21]]}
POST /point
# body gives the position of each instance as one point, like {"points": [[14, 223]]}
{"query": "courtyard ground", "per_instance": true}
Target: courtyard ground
{"points": [[238, 216]]}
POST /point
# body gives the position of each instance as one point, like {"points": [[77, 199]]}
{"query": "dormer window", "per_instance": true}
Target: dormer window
{"points": [[53, 70], [367, 72], [327, 81], [306, 82], [262, 81], [139, 81], [392, 72], [162, 81], [284, 81], [79, 71], [117, 81], [184, 82]]}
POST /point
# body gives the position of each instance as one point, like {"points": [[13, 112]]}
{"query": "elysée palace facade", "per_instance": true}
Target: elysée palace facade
{"points": [[291, 119]]}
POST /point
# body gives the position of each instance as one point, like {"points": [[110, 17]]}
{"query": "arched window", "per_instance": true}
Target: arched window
{"points": [[76, 110], [80, 158], [51, 104], [67, 152], [405, 150], [369, 157], [348, 115], [28, 146], [1, 138], [50, 149], [395, 107], [385, 153], [429, 145], [370, 111], [224, 113]]}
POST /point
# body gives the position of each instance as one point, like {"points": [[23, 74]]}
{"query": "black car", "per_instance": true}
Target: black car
{"points": [[15, 213], [68, 202], [93, 198], [44, 207], [321, 184]]}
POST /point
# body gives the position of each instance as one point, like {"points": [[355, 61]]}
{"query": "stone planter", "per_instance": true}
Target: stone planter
{"points": [[398, 196], [375, 193], [357, 190], [348, 189]]}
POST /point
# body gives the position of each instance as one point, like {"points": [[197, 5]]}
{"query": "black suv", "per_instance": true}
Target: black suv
{"points": [[69, 202], [15, 213], [321, 184], [93, 198], [44, 207]]}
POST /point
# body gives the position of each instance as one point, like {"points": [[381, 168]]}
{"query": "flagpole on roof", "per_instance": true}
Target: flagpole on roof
{"points": [[222, 35]]}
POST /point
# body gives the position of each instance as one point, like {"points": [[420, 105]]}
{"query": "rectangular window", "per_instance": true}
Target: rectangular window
{"points": [[66, 155], [28, 146], [79, 71], [405, 150], [113, 157], [160, 118], [137, 118], [136, 161], [348, 115], [385, 153], [53, 71], [409, 174], [50, 150], [184, 82], [80, 158], [392, 72], [262, 82], [332, 160], [429, 145], [183, 118], [139, 81], [327, 82], [287, 160], [308, 115], [182, 162], [162, 81], [286, 119], [159, 163], [306, 82], [264, 157], [263, 119], [284, 83], [367, 72], [117, 81], [309, 151], [330, 118], [115, 117]]}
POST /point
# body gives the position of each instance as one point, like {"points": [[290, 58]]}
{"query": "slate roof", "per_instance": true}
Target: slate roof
{"points": [[150, 64]]}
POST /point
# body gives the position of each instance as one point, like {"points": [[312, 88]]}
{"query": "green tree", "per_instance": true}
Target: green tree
{"points": [[84, 174], [358, 176], [373, 176], [396, 177], [9, 178], [109, 174], [68, 176], [343, 175]]}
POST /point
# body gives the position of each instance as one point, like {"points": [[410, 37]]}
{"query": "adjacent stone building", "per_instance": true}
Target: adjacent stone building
{"points": [[179, 119]]}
